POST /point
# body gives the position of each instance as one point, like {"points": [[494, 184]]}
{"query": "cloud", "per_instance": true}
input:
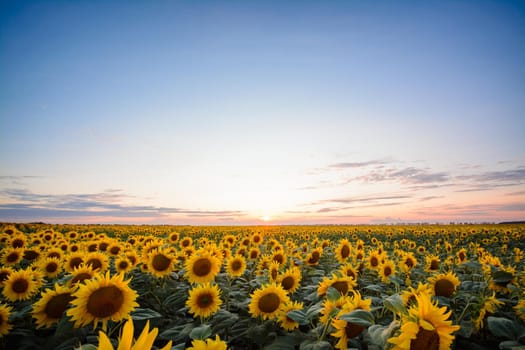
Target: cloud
{"points": [[511, 176], [358, 164], [409, 175], [24, 204], [366, 199]]}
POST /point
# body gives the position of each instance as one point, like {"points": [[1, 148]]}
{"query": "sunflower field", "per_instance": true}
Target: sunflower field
{"points": [[262, 287]]}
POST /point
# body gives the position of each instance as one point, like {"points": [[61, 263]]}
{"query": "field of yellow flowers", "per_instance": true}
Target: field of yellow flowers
{"points": [[262, 287]]}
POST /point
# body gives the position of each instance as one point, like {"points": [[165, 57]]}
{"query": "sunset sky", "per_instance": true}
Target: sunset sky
{"points": [[256, 112]]}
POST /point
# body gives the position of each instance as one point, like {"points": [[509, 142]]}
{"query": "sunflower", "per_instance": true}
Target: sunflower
{"points": [[313, 258], [409, 296], [12, 256], [31, 254], [407, 262], [208, 344], [444, 285], [268, 301], [18, 241], [236, 266], [81, 273], [204, 300], [286, 322], [54, 253], [114, 249], [202, 267], [425, 327], [5, 326], [102, 298], [374, 260], [290, 279], [432, 263], [386, 270], [73, 260], [331, 308], [160, 262], [349, 270], [343, 250], [345, 330], [20, 285], [520, 309], [51, 306], [123, 265], [51, 267], [4, 274], [185, 242], [98, 261], [279, 257], [143, 342], [343, 284], [273, 271], [489, 305], [254, 253]]}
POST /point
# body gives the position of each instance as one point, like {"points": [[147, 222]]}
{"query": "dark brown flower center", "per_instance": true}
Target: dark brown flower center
{"points": [[269, 303], [374, 261], [409, 263], [31, 254], [51, 267], [434, 264], [20, 285], [204, 300], [160, 262], [425, 340], [103, 246], [444, 288], [341, 286], [17, 243], [387, 271], [123, 265], [105, 301], [95, 263], [4, 275], [352, 330], [345, 251], [12, 257], [314, 257], [288, 282], [75, 262], [56, 306], [114, 250], [236, 265], [202, 267], [279, 258], [81, 277]]}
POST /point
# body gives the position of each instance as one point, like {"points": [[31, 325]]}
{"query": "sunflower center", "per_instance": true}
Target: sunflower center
{"points": [[350, 273], [75, 262], [81, 277], [185, 243], [409, 263], [287, 282], [105, 301], [425, 340], [342, 287], [314, 257], [103, 246], [114, 250], [268, 303], [31, 254], [204, 300], [4, 275], [274, 274], [373, 261], [236, 265], [51, 267], [353, 330], [54, 255], [462, 256], [17, 243], [95, 263], [123, 265], [279, 258], [345, 252], [160, 262], [13, 257], [56, 306], [444, 288], [202, 267], [387, 271], [20, 285], [434, 265]]}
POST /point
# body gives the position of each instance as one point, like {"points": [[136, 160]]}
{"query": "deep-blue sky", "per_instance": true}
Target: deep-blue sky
{"points": [[228, 111]]}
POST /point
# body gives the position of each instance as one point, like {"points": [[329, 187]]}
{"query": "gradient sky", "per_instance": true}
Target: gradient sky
{"points": [[228, 112]]}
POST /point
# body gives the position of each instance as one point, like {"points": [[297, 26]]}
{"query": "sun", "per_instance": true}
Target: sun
{"points": [[266, 218]]}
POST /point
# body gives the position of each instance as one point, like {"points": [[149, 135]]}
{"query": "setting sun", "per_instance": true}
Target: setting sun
{"points": [[266, 218]]}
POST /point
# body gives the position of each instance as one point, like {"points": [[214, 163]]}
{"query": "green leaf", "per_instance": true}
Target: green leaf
{"points": [[144, 314], [332, 294], [359, 317], [395, 304], [501, 276], [503, 327], [298, 316], [511, 345], [200, 333], [379, 334], [374, 287], [315, 345], [467, 327]]}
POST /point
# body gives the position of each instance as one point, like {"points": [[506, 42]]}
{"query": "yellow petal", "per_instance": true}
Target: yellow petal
{"points": [[103, 342], [426, 325], [127, 336], [167, 347]]}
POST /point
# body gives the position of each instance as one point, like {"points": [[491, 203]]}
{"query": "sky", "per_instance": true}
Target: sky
{"points": [[262, 112]]}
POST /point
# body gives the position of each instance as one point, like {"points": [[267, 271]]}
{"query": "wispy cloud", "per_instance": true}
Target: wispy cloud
{"points": [[358, 164], [24, 204], [408, 175]]}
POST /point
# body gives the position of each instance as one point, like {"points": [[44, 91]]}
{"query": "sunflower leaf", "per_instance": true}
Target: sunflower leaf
{"points": [[503, 327], [298, 316], [394, 303], [201, 332], [332, 294], [359, 317], [144, 314]]}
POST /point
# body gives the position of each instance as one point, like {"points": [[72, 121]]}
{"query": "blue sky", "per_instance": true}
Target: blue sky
{"points": [[227, 112]]}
